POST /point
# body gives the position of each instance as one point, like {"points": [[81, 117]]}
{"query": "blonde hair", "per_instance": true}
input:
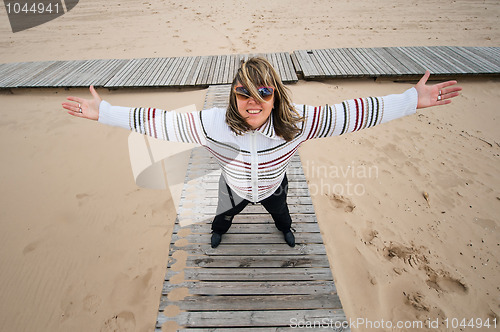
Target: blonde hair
{"points": [[255, 73]]}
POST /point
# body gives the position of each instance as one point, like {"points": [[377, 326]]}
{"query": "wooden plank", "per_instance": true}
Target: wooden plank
{"points": [[307, 64], [253, 288], [372, 62], [193, 76], [231, 238], [183, 71], [157, 72], [287, 59], [323, 63], [316, 64], [75, 74], [478, 56], [255, 274], [445, 66], [16, 74], [245, 261], [263, 249], [285, 75], [148, 76], [132, 69], [177, 71], [120, 75], [53, 73], [349, 70], [335, 69], [257, 329], [214, 70], [206, 77], [169, 72], [254, 228], [297, 218], [254, 318], [414, 67], [222, 67], [205, 63], [490, 53], [356, 62], [423, 60], [476, 67], [97, 73], [453, 62], [296, 63], [137, 75], [390, 62], [254, 302]]}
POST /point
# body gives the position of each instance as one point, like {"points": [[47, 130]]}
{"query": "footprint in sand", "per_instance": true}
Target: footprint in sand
{"points": [[123, 322], [91, 303], [441, 281], [341, 202], [417, 301]]}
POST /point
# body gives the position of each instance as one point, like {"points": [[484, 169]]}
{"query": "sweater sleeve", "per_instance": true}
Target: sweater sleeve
{"points": [[356, 114], [170, 126]]}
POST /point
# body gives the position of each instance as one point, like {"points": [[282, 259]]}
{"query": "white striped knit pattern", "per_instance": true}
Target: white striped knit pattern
{"points": [[254, 164]]}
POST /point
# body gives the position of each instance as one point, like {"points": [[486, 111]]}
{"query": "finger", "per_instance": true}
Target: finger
{"points": [[450, 95], [424, 78], [446, 84], [76, 99], [94, 93], [72, 106]]}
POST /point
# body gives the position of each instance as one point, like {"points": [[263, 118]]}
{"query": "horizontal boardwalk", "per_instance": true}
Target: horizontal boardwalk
{"points": [[146, 72], [397, 61], [253, 281], [220, 69]]}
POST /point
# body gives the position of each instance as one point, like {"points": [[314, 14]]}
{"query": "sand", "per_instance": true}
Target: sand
{"points": [[83, 248]]}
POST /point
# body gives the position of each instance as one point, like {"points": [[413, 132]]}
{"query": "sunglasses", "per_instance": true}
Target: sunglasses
{"points": [[265, 92]]}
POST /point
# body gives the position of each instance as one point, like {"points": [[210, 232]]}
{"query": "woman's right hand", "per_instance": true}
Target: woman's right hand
{"points": [[84, 108]]}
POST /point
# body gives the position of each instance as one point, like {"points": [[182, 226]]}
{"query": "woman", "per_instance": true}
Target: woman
{"points": [[254, 139]]}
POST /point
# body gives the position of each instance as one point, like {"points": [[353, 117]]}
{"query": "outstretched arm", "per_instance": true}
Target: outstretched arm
{"points": [[84, 108], [157, 123], [437, 94]]}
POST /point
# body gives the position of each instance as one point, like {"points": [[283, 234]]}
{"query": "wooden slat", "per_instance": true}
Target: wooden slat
{"points": [[255, 318], [466, 60], [253, 288], [231, 238], [170, 71], [150, 72], [282, 261], [176, 71], [485, 60], [254, 228], [407, 62], [253, 302], [255, 274]]}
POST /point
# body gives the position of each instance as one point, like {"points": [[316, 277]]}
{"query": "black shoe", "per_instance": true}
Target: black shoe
{"points": [[216, 237], [290, 238]]}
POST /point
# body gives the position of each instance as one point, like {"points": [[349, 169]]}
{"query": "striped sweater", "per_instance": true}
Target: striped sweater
{"points": [[254, 164]]}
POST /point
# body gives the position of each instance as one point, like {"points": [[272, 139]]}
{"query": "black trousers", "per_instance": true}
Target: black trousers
{"points": [[229, 204]]}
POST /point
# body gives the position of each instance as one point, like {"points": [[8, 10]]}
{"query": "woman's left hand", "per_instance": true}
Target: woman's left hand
{"points": [[437, 94]]}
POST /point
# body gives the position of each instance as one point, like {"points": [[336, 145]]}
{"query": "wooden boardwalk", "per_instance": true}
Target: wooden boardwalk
{"points": [[220, 69], [146, 72], [253, 281], [397, 61]]}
